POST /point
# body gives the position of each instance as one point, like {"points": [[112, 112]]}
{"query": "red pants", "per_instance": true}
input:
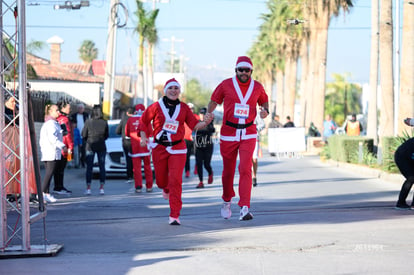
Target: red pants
{"points": [[229, 151], [136, 164], [169, 176]]}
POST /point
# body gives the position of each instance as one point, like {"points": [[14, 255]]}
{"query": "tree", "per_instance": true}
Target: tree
{"points": [[406, 102], [35, 46], [146, 32], [342, 98], [372, 124], [386, 70], [87, 51], [196, 94]]}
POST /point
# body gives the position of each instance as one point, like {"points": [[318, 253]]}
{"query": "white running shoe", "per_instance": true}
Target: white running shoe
{"points": [[49, 198], [101, 191], [88, 192], [226, 210], [174, 221], [245, 215]]}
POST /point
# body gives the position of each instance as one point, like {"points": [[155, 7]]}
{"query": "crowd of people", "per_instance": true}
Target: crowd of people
{"points": [[169, 131]]}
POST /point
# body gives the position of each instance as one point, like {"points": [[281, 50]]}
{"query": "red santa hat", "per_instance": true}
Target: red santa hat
{"points": [[171, 82], [244, 62], [139, 109]]}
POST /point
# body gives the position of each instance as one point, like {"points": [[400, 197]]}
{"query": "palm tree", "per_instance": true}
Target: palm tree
{"points": [[35, 46], [406, 106], [386, 70], [372, 125], [320, 12], [152, 39], [88, 51]]}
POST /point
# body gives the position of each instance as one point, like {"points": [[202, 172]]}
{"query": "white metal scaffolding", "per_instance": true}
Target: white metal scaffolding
{"points": [[16, 217]]}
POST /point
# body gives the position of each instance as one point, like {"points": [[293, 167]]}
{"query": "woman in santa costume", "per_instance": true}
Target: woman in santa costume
{"points": [[167, 117], [239, 95], [139, 153]]}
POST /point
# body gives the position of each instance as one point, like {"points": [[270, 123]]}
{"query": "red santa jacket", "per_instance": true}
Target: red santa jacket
{"points": [[173, 126], [132, 131], [65, 125], [240, 101]]}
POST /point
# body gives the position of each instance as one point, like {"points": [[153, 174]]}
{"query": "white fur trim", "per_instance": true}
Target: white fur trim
{"points": [[173, 83], [244, 65]]}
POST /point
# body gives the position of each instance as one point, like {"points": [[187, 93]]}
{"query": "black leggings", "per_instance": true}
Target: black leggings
{"points": [[203, 156], [50, 167], [59, 173]]}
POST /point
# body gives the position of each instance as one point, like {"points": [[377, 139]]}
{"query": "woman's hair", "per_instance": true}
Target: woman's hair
{"points": [[62, 103], [96, 112], [48, 107]]}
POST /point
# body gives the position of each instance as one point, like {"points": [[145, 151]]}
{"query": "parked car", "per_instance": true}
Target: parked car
{"points": [[115, 161]]}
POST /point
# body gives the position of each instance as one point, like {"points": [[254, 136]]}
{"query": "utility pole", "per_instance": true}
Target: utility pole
{"points": [[109, 79], [172, 51]]}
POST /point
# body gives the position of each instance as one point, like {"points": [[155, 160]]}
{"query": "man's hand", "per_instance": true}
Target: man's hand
{"points": [[263, 112]]}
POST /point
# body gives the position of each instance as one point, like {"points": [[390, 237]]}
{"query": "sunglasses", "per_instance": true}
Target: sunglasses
{"points": [[246, 70]]}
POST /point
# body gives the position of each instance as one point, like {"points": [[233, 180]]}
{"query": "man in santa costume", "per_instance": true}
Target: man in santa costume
{"points": [[167, 117], [240, 96], [139, 153]]}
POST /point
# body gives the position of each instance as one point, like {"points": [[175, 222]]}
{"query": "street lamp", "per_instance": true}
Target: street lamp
{"points": [[70, 6]]}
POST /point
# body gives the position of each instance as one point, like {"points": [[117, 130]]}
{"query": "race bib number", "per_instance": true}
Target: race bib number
{"points": [[170, 126], [241, 110]]}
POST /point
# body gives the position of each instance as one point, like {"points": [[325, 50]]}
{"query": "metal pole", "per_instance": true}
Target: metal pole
{"points": [[3, 213], [397, 65], [24, 160], [110, 54]]}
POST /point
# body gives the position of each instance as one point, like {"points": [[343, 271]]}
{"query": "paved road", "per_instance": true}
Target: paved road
{"points": [[309, 218]]}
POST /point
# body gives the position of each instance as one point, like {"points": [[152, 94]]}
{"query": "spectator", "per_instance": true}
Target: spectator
{"points": [[94, 135], [275, 123], [405, 162], [51, 147], [329, 127], [353, 127], [289, 123], [80, 117], [126, 143], [313, 131], [63, 120], [204, 150]]}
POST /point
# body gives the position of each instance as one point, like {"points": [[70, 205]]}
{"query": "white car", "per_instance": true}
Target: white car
{"points": [[115, 161]]}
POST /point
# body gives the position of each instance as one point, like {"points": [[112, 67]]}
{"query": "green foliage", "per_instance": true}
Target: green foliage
{"points": [[196, 94], [342, 98], [88, 51], [35, 46], [346, 149]]}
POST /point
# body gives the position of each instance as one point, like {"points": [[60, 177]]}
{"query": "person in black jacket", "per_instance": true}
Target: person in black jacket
{"points": [[126, 143], [204, 150], [94, 134], [404, 159]]}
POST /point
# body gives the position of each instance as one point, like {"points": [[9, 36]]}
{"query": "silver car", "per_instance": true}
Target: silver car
{"points": [[115, 161]]}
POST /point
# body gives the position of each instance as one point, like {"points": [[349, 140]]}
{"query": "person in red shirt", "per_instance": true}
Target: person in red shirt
{"points": [[65, 125], [139, 153], [239, 95], [167, 117]]}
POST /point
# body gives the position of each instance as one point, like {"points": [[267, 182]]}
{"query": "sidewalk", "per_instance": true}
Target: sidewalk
{"points": [[309, 218]]}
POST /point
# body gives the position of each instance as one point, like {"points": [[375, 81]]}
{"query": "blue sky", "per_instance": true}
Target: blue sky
{"points": [[212, 33]]}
